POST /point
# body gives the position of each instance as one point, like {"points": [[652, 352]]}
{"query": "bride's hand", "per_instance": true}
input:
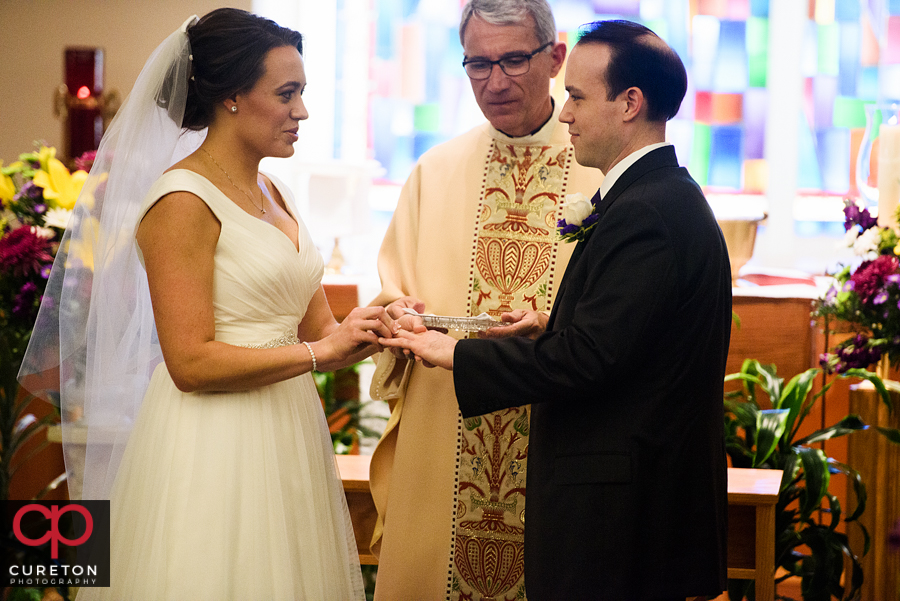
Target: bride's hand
{"points": [[403, 319], [355, 338]]}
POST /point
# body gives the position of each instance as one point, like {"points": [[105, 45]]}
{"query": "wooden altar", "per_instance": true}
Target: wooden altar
{"points": [[752, 495], [878, 462]]}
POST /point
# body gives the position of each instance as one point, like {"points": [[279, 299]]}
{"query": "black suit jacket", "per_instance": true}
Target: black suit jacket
{"points": [[626, 474]]}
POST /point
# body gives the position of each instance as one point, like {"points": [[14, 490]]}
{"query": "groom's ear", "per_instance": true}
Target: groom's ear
{"points": [[635, 103]]}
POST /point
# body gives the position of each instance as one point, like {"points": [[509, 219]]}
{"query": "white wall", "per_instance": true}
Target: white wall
{"points": [[34, 34]]}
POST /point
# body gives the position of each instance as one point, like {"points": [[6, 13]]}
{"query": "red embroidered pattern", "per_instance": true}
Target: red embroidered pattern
{"points": [[514, 252]]}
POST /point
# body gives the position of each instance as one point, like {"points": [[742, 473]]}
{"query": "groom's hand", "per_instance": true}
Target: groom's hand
{"points": [[530, 324], [431, 347]]}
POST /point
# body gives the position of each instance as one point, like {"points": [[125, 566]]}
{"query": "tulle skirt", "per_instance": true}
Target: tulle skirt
{"points": [[230, 496]]}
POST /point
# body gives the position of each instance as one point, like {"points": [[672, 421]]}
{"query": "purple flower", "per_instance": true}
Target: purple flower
{"points": [[880, 298], [29, 192], [23, 304], [40, 208], [894, 537], [45, 271], [590, 220], [566, 228], [856, 353], [853, 215]]}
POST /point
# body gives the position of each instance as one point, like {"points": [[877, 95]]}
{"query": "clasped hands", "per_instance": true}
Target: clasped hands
{"points": [[433, 347]]}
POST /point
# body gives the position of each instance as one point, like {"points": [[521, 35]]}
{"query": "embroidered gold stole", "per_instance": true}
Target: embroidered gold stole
{"points": [[513, 267]]}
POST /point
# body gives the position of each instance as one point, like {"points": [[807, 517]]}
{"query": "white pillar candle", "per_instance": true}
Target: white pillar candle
{"points": [[888, 174]]}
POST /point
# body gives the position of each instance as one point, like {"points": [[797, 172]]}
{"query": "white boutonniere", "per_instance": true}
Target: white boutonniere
{"points": [[578, 218]]}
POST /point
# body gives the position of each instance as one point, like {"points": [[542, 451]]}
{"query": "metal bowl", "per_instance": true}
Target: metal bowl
{"points": [[740, 236]]}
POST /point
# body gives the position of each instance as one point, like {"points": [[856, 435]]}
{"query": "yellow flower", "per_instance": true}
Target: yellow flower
{"points": [[7, 187], [87, 193], [60, 186], [80, 251], [44, 155]]}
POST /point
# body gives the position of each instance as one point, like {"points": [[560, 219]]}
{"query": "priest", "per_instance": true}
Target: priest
{"points": [[474, 232]]}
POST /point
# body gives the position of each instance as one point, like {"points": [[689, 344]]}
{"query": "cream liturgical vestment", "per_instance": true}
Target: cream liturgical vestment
{"points": [[474, 231]]}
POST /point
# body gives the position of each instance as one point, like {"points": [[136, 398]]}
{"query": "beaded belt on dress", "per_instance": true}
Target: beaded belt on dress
{"points": [[288, 338]]}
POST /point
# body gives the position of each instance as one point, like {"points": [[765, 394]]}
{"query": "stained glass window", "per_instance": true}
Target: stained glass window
{"points": [[420, 95]]}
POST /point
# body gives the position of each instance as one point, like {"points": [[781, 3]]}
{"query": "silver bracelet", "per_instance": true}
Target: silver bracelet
{"points": [[311, 354]]}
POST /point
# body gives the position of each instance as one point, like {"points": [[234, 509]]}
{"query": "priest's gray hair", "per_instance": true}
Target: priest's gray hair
{"points": [[511, 12]]}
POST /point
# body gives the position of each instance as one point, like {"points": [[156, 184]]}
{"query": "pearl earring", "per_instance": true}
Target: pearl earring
{"points": [[233, 108]]}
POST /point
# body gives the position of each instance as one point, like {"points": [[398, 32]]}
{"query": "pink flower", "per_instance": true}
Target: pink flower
{"points": [[86, 161], [23, 252], [869, 279]]}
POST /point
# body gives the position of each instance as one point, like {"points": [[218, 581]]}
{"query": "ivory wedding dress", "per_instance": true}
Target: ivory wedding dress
{"points": [[235, 495]]}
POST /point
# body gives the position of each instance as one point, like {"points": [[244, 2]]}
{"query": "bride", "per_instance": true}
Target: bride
{"points": [[226, 487]]}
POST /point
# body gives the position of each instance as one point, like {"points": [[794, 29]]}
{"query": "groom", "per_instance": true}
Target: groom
{"points": [[626, 469]]}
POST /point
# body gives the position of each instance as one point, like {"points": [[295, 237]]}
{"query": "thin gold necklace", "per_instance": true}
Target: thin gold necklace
{"points": [[262, 200]]}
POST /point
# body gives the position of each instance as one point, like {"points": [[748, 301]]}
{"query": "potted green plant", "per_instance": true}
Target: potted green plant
{"points": [[806, 544], [339, 392]]}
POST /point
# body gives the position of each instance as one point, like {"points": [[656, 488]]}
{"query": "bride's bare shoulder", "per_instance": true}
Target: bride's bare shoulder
{"points": [[190, 163]]}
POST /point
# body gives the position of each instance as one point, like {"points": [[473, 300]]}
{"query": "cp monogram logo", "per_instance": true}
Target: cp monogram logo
{"points": [[53, 535]]}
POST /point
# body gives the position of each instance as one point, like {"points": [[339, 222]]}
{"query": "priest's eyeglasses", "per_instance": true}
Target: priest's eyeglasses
{"points": [[512, 66]]}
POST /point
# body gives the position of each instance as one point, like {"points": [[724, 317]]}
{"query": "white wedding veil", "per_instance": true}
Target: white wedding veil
{"points": [[94, 345]]}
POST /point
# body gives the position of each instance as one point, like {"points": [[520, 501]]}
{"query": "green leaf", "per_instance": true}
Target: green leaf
{"points": [[834, 508], [24, 594], [770, 424], [856, 571], [859, 487], [821, 571], [816, 476], [771, 383], [879, 384], [807, 408], [748, 374], [54, 484], [752, 379], [793, 399], [851, 423], [891, 434], [745, 413], [790, 468], [796, 391]]}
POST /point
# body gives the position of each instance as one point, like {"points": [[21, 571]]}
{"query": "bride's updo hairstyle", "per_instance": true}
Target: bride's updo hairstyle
{"points": [[228, 46]]}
